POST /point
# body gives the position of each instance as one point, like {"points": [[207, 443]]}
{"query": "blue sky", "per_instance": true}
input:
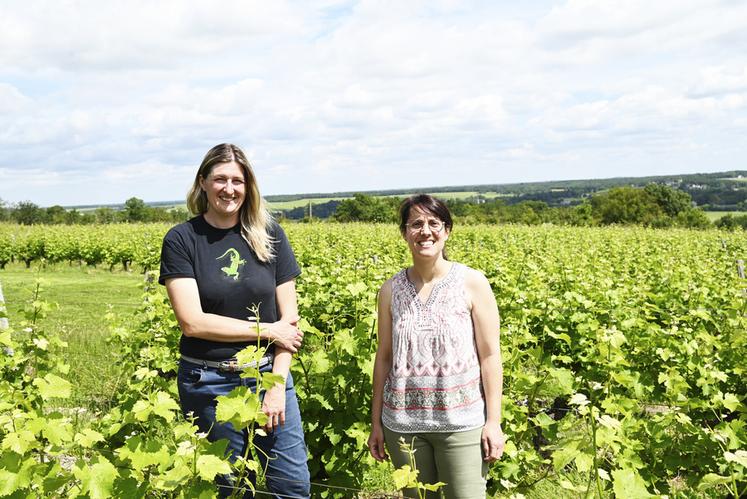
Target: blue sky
{"points": [[102, 101]]}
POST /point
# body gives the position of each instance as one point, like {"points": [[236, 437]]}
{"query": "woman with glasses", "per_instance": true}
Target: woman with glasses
{"points": [[230, 276], [438, 378]]}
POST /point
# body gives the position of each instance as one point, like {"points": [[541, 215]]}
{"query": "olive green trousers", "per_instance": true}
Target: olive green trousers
{"points": [[454, 458]]}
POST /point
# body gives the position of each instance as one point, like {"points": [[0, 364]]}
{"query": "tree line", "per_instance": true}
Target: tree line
{"points": [[655, 205], [135, 210], [718, 191]]}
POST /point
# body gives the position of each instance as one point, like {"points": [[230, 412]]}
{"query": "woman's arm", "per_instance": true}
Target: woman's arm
{"points": [[185, 300], [273, 403], [287, 304], [382, 366], [487, 337]]}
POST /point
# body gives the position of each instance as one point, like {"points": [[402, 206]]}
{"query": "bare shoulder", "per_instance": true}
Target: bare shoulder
{"points": [[475, 279], [385, 292], [478, 288]]}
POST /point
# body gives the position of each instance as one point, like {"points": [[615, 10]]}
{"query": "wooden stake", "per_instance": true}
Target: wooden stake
{"points": [[3, 320]]}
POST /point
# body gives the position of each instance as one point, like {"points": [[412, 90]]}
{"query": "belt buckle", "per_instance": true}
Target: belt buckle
{"points": [[230, 366]]}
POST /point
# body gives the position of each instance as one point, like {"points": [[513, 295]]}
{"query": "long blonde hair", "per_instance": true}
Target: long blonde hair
{"points": [[254, 216]]}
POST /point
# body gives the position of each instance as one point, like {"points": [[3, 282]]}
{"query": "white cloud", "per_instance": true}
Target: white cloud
{"points": [[11, 100], [115, 36], [717, 80], [113, 100]]}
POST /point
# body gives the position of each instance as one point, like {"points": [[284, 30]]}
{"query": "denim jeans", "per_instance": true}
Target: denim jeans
{"points": [[287, 473]]}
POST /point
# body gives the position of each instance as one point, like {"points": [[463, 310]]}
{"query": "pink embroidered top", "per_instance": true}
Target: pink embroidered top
{"points": [[434, 384]]}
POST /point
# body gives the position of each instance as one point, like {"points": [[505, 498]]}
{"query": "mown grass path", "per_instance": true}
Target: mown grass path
{"points": [[81, 298]]}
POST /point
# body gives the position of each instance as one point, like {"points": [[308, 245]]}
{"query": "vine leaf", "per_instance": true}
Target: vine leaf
{"points": [[629, 484], [208, 466], [97, 478], [405, 477], [52, 386], [15, 473]]}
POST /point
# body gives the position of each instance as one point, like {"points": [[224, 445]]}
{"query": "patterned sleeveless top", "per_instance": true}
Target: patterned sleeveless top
{"points": [[434, 384]]}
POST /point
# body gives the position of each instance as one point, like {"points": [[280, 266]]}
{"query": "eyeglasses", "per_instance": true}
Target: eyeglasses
{"points": [[433, 224]]}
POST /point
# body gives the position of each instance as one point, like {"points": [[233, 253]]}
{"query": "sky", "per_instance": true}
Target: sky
{"points": [[103, 101]]}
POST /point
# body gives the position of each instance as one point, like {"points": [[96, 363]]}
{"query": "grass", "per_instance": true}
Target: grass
{"points": [[81, 297], [715, 215], [289, 205]]}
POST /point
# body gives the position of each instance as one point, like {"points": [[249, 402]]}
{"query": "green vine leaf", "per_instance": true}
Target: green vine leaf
{"points": [[97, 478], [405, 477], [15, 473], [628, 484], [209, 466], [88, 437], [52, 386]]}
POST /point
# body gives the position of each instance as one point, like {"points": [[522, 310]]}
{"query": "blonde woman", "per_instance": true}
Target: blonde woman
{"points": [[228, 258], [437, 374]]}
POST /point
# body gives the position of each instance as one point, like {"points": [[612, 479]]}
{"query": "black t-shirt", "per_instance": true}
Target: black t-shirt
{"points": [[230, 278]]}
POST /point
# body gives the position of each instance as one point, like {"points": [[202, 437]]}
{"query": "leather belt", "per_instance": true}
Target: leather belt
{"points": [[230, 365]]}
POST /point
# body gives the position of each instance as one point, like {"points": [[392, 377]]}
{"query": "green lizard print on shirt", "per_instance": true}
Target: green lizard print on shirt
{"points": [[236, 262]]}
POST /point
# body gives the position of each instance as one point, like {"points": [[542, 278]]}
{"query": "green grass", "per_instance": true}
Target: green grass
{"points": [[289, 205], [715, 215], [81, 298], [458, 195]]}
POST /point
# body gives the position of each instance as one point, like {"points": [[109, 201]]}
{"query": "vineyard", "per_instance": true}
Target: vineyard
{"points": [[624, 351]]}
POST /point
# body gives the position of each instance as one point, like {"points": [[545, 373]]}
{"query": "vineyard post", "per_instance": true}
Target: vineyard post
{"points": [[740, 271], [3, 319]]}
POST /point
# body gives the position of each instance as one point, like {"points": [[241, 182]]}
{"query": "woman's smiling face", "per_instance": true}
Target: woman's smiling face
{"points": [[425, 233], [225, 188]]}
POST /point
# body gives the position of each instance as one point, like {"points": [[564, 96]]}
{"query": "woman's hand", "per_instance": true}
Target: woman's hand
{"points": [[273, 404], [376, 443], [286, 334], [493, 442]]}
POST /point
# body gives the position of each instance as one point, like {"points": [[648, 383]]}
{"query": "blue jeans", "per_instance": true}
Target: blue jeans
{"points": [[287, 472]]}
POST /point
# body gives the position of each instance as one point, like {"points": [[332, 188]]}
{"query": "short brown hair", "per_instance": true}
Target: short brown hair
{"points": [[428, 203]]}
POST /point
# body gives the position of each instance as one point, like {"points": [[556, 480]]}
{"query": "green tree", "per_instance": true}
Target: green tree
{"points": [[135, 210], [582, 214], [75, 217], [179, 215], [731, 222], [365, 208], [672, 201], [693, 218], [55, 215], [28, 213], [626, 205], [157, 215], [4, 211], [106, 215]]}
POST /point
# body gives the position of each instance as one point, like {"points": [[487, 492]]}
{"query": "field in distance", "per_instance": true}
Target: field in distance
{"points": [[289, 205]]}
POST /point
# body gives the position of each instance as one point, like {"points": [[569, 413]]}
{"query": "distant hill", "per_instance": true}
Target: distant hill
{"points": [[588, 185], [720, 191]]}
